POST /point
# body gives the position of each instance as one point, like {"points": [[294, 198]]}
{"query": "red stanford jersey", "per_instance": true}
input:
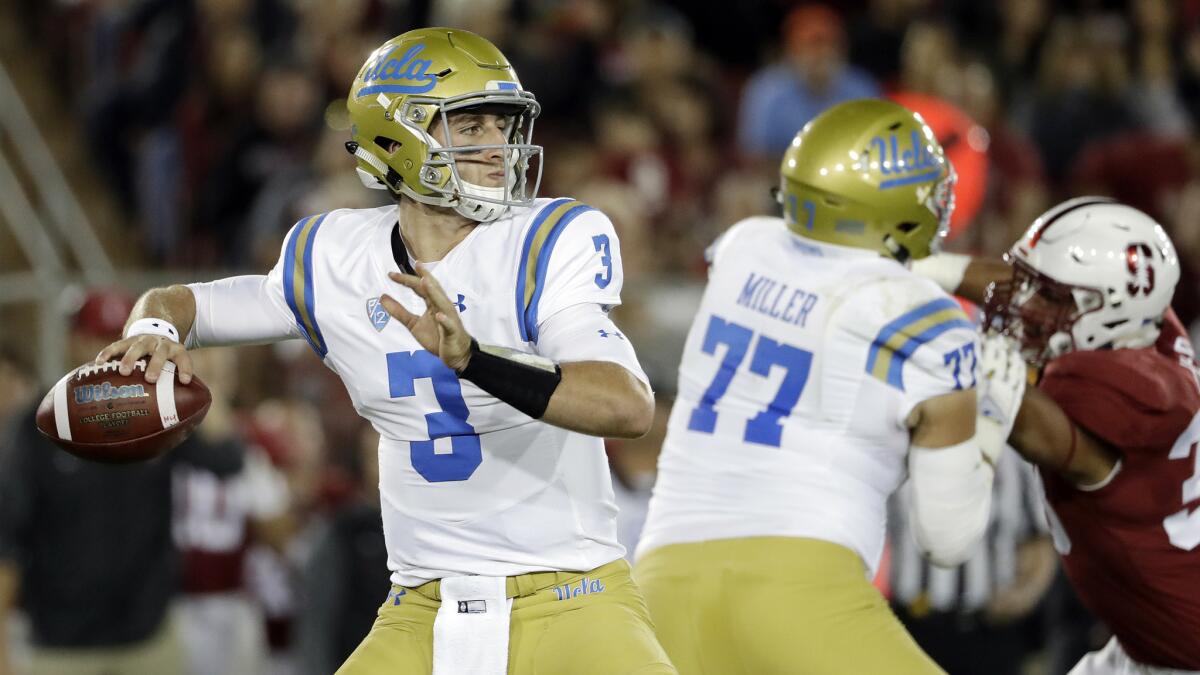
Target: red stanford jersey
{"points": [[1133, 553]]}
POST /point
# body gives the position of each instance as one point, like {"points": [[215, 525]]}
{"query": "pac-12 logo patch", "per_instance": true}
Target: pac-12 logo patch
{"points": [[377, 314]]}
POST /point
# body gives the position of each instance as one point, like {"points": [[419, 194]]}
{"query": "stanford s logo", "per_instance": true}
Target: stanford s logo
{"points": [[1137, 259]]}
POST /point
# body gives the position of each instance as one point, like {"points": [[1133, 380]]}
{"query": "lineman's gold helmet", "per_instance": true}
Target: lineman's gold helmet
{"points": [[421, 76], [870, 174]]}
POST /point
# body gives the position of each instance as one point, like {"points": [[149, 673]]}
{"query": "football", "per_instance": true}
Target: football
{"points": [[96, 413]]}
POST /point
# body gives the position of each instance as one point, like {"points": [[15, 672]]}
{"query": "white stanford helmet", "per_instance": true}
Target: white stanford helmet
{"points": [[1090, 273]]}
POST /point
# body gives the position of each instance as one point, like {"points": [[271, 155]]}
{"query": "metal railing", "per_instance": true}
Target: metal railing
{"points": [[65, 214], [33, 216]]}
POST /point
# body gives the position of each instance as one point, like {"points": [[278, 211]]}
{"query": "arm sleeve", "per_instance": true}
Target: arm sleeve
{"points": [[951, 500], [240, 310], [249, 309], [587, 333]]}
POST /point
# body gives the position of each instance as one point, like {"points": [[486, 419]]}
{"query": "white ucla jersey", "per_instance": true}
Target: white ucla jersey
{"points": [[468, 484], [801, 367]]}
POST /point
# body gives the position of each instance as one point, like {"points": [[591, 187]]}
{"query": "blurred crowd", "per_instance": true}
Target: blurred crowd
{"points": [[219, 123]]}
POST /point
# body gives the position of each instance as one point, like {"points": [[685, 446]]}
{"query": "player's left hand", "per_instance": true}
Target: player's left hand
{"points": [[439, 329]]}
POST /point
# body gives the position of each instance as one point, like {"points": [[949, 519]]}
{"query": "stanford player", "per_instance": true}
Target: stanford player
{"points": [[1112, 423]]}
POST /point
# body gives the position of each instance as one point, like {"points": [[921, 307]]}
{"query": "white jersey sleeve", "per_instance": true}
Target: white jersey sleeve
{"points": [[586, 333], [921, 342], [253, 308], [572, 256]]}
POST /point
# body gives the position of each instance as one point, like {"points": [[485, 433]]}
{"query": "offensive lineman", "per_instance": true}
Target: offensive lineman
{"points": [[817, 365], [498, 510], [1114, 423]]}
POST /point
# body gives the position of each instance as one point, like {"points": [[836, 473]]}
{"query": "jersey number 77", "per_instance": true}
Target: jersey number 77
{"points": [[765, 428]]}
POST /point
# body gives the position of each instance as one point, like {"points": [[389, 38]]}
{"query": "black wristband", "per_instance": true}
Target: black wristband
{"points": [[524, 381]]}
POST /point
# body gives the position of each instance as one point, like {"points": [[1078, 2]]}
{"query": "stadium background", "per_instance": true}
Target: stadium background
{"points": [[152, 141]]}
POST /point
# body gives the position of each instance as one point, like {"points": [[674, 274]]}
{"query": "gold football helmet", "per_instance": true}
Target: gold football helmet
{"points": [[422, 76], [870, 174]]}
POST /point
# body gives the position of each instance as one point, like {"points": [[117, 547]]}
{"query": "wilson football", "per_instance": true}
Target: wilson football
{"points": [[96, 413]]}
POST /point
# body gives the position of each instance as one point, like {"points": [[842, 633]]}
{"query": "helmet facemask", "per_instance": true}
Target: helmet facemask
{"points": [[1040, 313], [439, 172]]}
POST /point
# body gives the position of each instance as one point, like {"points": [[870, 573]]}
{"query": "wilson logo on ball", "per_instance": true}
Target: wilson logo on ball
{"points": [[89, 393]]}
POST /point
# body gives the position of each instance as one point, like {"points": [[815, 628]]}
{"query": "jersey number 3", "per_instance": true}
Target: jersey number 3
{"points": [[1183, 527], [764, 428], [404, 369]]}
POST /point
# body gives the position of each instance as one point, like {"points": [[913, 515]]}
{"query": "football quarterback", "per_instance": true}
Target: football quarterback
{"points": [[469, 323]]}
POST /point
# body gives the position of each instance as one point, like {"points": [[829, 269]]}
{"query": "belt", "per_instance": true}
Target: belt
{"points": [[528, 584]]}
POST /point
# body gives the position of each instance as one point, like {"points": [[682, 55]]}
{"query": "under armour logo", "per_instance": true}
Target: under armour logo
{"points": [[461, 304], [604, 333], [396, 595]]}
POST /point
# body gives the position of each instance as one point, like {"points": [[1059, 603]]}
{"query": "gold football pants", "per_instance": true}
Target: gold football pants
{"points": [[773, 605], [562, 623]]}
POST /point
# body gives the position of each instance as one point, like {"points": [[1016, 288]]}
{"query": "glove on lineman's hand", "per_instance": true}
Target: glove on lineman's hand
{"points": [[1001, 387]]}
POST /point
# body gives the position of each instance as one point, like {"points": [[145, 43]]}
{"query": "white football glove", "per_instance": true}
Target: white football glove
{"points": [[1000, 389]]}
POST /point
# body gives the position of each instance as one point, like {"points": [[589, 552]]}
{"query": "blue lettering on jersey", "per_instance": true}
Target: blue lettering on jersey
{"points": [[958, 358], [584, 587], [777, 300], [606, 333], [766, 427]]}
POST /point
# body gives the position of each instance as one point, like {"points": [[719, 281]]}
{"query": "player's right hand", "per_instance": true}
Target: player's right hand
{"points": [[158, 348], [1002, 379]]}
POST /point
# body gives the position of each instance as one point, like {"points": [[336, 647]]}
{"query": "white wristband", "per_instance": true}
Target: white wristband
{"points": [[151, 326], [944, 269]]}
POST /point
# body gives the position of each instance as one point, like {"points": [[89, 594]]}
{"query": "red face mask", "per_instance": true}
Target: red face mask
{"points": [[1038, 311]]}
